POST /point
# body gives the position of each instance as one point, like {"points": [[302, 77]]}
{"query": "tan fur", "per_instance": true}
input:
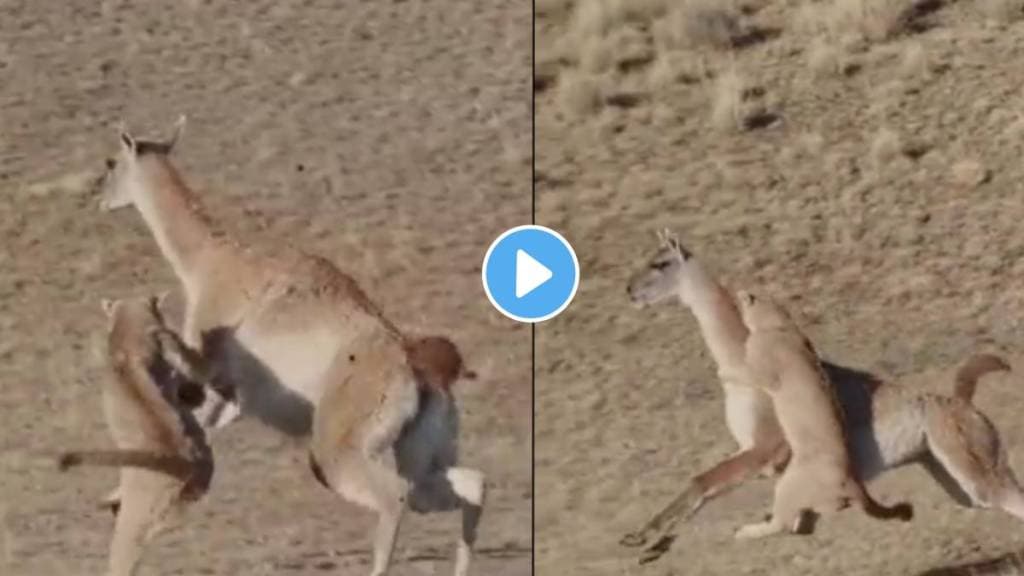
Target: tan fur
{"points": [[164, 458], [819, 477], [437, 362], [967, 377], [307, 350], [887, 423]]}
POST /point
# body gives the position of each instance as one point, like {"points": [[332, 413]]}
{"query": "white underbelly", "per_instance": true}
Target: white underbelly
{"points": [[298, 361]]}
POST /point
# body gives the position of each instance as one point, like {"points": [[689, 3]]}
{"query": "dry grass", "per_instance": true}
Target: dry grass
{"points": [[1002, 11], [579, 94], [885, 147], [914, 62], [599, 17], [604, 33], [824, 57], [551, 7], [969, 173], [727, 100], [596, 54], [873, 20], [698, 23], [670, 68]]}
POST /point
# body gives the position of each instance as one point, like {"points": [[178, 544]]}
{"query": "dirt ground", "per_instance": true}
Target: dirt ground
{"points": [[861, 164], [391, 137]]}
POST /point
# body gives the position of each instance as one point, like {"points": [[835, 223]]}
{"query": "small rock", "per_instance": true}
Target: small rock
{"points": [[970, 173]]}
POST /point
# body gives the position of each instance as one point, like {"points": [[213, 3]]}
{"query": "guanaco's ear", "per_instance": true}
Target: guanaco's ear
{"points": [[179, 129], [128, 144], [108, 306]]}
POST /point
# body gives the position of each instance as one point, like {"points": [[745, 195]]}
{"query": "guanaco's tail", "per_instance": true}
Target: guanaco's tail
{"points": [[973, 369], [166, 463]]}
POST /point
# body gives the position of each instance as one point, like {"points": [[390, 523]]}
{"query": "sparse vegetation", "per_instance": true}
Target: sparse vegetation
{"points": [[824, 57], [901, 136], [969, 173], [1002, 11], [914, 62], [579, 94], [698, 24], [873, 20], [727, 100], [885, 147]]}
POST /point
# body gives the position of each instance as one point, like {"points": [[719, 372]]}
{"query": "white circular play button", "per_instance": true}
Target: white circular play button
{"points": [[530, 273]]}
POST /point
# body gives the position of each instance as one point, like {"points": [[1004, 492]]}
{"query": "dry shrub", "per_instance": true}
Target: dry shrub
{"points": [[596, 54], [885, 147], [1002, 11], [598, 17], [605, 32], [824, 57], [673, 67], [699, 23], [579, 94], [739, 104], [727, 100], [1015, 129], [914, 63], [551, 7], [969, 173], [873, 20]]}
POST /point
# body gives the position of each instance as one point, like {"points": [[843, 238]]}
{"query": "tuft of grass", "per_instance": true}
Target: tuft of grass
{"points": [[824, 58], [607, 33], [885, 147], [552, 7], [596, 54], [1002, 11], [599, 17], [969, 173], [727, 100], [673, 67], [579, 94], [914, 62], [699, 23], [873, 20]]}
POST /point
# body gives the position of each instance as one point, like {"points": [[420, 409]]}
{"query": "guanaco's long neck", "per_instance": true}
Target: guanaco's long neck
{"points": [[173, 215], [720, 321]]}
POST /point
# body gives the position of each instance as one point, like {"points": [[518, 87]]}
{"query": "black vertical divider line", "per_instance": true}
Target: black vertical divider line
{"points": [[533, 326]]}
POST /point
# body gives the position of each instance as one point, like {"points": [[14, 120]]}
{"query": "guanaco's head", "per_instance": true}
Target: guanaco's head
{"points": [[760, 313], [670, 271], [122, 174]]}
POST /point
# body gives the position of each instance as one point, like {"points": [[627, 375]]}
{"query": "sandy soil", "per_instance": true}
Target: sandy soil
{"points": [[392, 137], [862, 167]]}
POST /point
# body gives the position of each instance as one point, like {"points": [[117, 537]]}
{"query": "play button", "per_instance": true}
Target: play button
{"points": [[530, 273]]}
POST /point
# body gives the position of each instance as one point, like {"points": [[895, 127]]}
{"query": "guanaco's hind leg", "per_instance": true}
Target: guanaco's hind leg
{"points": [[365, 481], [727, 474], [964, 446], [454, 488]]}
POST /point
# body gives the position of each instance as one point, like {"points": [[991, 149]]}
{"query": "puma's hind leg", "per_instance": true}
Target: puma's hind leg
{"points": [[148, 503], [792, 499]]}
